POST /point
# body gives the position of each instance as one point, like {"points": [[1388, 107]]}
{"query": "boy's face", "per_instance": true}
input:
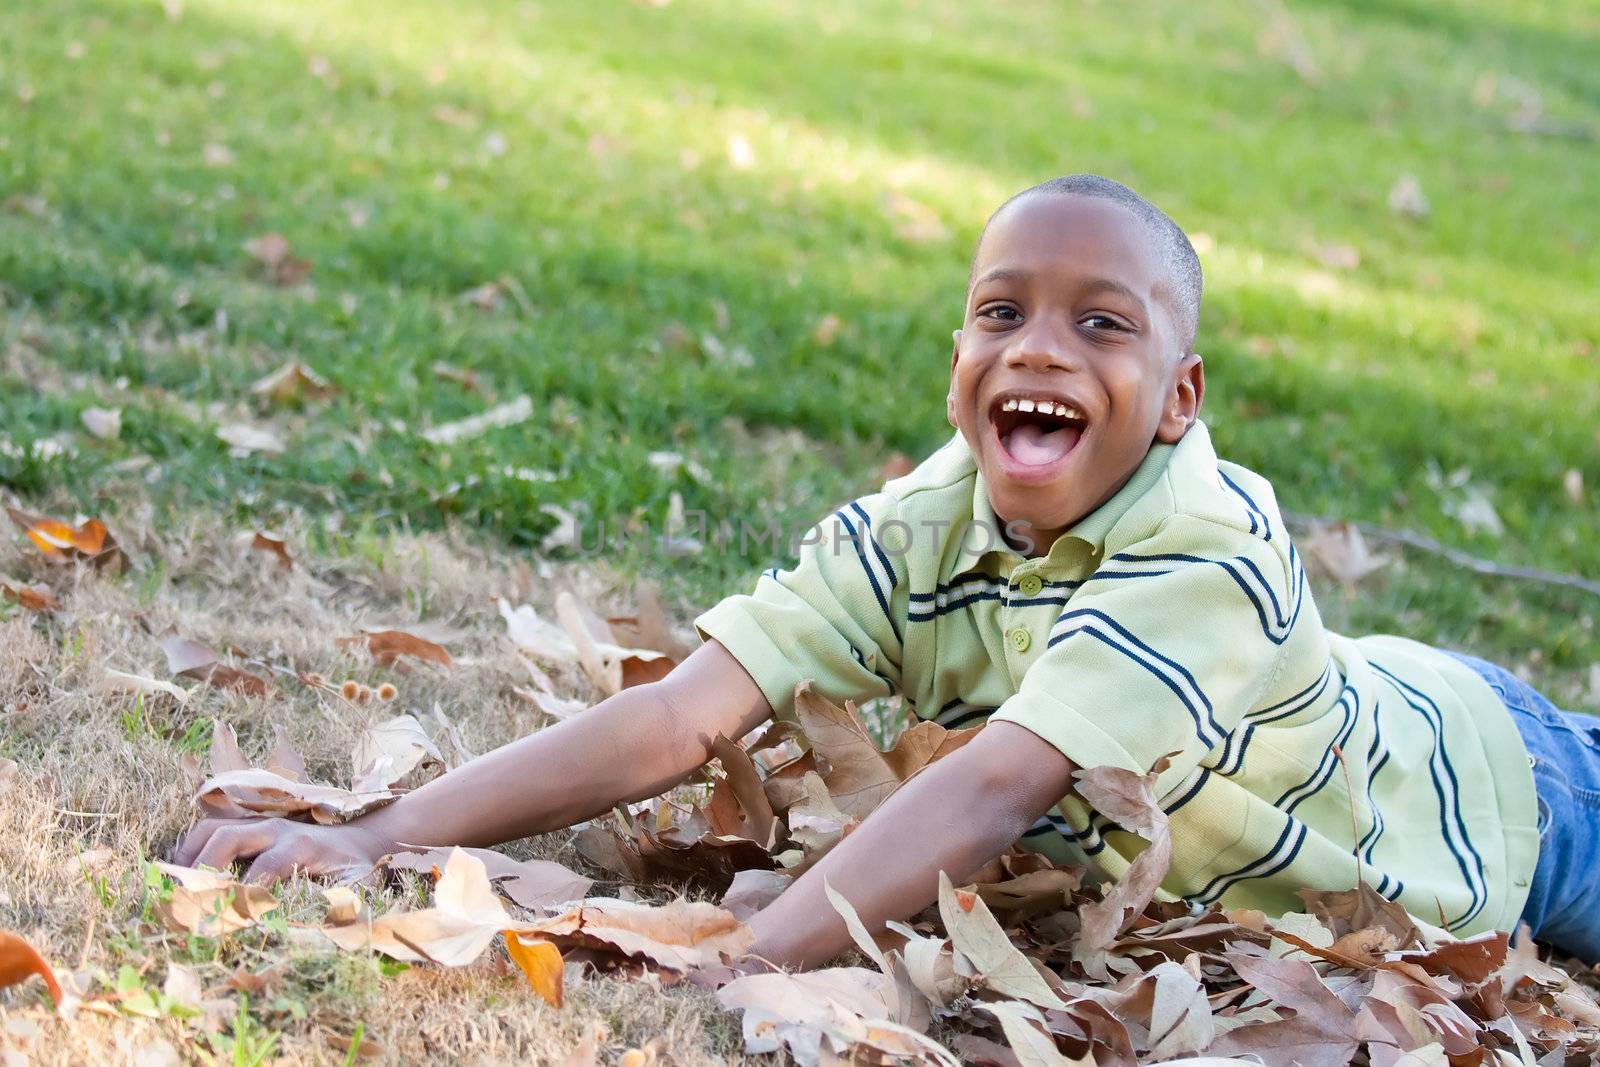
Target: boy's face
{"points": [[1069, 313]]}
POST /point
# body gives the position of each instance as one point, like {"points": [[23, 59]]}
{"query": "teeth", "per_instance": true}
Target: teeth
{"points": [[1010, 405], [1024, 405]]}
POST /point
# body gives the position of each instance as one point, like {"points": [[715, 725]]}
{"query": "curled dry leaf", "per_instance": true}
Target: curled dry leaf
{"points": [[20, 961], [58, 542], [104, 423], [858, 776], [388, 752], [274, 546], [540, 962], [278, 264], [530, 884], [33, 597], [1341, 551], [1128, 799], [681, 936], [976, 934], [610, 666], [292, 383], [465, 918], [210, 903], [262, 792], [125, 682], [753, 890], [242, 439], [187, 658], [387, 646], [838, 1013]]}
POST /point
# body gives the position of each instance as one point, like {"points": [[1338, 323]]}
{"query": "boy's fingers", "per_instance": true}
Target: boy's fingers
{"points": [[193, 841], [276, 864], [236, 841]]}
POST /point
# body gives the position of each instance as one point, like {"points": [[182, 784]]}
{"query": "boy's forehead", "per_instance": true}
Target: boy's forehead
{"points": [[1079, 234]]}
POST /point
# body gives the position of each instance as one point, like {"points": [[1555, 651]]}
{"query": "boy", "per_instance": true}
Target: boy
{"points": [[1077, 568]]}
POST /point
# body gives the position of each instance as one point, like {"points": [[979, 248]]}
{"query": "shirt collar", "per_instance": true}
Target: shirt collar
{"points": [[987, 535]]}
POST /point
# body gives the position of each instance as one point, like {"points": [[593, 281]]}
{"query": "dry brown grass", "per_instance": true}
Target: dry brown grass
{"points": [[99, 771]]}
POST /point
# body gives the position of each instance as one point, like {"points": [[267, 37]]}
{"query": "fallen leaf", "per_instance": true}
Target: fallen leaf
{"points": [[753, 890], [123, 681], [274, 546], [20, 960], [187, 658], [463, 377], [210, 903], [858, 776], [1406, 197], [484, 297], [540, 961], [243, 439], [262, 792], [387, 646], [387, 752], [611, 667], [465, 918], [976, 934], [1572, 486], [104, 423], [681, 936], [61, 543], [1028, 1036], [498, 417], [827, 329], [280, 267], [838, 1010], [1129, 800], [37, 597], [586, 1054], [1344, 911], [530, 884], [292, 383], [898, 465], [913, 220], [1341, 552]]}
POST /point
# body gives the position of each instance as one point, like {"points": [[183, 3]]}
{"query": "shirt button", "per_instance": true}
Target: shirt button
{"points": [[1020, 639], [1030, 585]]}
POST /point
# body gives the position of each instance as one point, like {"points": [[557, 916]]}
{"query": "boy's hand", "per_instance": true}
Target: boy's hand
{"points": [[281, 848], [636, 744]]}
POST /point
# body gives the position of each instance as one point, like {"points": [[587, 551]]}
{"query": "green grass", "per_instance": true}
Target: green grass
{"points": [[413, 151]]}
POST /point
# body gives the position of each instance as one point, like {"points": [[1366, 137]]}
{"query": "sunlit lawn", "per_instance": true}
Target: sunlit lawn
{"points": [[712, 223]]}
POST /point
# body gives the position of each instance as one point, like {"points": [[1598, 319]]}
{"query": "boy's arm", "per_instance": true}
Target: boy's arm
{"points": [[631, 746], [955, 816]]}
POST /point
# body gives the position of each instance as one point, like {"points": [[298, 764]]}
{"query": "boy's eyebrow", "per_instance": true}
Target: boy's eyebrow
{"points": [[1107, 285], [1013, 274], [1002, 274]]}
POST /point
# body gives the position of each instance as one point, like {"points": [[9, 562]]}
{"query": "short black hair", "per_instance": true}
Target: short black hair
{"points": [[1183, 266]]}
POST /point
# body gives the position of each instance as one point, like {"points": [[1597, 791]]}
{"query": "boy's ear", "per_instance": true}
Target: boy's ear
{"points": [[950, 398], [1183, 401]]}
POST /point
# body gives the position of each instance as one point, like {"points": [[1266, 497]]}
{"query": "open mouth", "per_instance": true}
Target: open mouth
{"points": [[1036, 432]]}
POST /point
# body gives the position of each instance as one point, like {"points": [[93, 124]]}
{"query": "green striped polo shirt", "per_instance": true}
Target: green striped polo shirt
{"points": [[1174, 619]]}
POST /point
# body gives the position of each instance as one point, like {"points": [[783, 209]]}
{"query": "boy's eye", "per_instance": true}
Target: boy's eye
{"points": [[1100, 322], [1001, 312]]}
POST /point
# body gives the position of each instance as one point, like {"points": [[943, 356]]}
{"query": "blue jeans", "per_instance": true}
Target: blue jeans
{"points": [[1563, 906]]}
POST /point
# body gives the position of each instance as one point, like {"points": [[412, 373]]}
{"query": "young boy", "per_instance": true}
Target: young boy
{"points": [[1077, 568]]}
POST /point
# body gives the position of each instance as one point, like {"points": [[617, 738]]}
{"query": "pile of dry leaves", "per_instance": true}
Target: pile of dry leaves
{"points": [[1030, 964]]}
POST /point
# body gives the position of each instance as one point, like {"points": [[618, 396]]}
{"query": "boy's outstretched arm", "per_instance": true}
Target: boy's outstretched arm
{"points": [[955, 816], [631, 746]]}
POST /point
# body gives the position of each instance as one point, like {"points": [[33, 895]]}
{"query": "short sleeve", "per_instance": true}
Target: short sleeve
{"points": [[1161, 651], [834, 617]]}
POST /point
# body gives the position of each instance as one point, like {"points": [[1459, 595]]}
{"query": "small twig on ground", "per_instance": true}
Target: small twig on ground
{"points": [[1461, 559]]}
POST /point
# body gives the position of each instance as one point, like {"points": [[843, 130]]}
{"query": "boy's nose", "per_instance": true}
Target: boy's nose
{"points": [[1041, 347]]}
